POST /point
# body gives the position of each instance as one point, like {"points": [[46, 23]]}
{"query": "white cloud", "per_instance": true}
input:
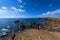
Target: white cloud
{"points": [[20, 10], [20, 1], [53, 14], [4, 7], [2, 11], [11, 13], [21, 6], [15, 9]]}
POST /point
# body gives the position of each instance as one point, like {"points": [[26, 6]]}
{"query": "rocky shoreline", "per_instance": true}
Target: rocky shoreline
{"points": [[50, 25]]}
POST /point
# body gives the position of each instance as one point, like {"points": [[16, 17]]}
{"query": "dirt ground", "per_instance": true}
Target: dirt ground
{"points": [[34, 34]]}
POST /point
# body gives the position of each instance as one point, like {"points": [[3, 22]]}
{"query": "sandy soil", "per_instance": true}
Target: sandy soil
{"points": [[34, 34]]}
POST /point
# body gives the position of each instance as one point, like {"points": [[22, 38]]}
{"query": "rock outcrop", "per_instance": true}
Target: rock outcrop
{"points": [[51, 23]]}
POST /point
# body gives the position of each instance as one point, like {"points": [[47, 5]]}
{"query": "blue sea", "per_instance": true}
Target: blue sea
{"points": [[8, 22]]}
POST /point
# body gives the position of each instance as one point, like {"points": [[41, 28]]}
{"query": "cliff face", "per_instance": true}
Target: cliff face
{"points": [[51, 23]]}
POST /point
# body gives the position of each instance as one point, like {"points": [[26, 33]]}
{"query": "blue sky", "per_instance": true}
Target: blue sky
{"points": [[29, 8]]}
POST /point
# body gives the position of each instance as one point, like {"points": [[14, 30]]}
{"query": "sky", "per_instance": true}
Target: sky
{"points": [[29, 8]]}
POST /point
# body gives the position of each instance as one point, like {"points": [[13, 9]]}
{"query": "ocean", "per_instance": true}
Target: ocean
{"points": [[9, 22]]}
